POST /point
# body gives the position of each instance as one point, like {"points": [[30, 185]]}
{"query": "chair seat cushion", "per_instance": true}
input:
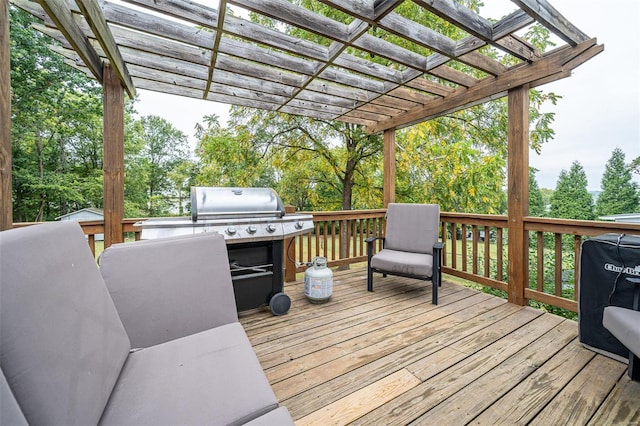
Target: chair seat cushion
{"points": [[625, 325], [405, 263], [212, 377]]}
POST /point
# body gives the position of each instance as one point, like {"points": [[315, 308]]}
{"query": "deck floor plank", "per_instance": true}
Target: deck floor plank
{"points": [[622, 406], [362, 401], [391, 357], [578, 401], [444, 386], [538, 389], [370, 347]]}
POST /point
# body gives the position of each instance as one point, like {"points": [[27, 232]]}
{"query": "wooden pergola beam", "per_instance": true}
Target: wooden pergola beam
{"points": [[543, 12], [518, 191], [389, 172], [113, 162], [6, 205], [556, 62], [96, 20], [61, 14]]}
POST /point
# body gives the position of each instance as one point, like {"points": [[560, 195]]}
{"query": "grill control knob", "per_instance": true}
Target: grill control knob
{"points": [[252, 229], [299, 224], [231, 230], [271, 228]]}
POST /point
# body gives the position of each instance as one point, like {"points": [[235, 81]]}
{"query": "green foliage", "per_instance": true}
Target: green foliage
{"points": [[635, 166], [571, 200], [163, 152], [438, 162], [228, 157], [536, 202], [56, 129], [325, 161], [619, 193]]}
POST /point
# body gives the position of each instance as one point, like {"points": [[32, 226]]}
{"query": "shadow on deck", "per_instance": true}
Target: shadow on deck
{"points": [[391, 357]]}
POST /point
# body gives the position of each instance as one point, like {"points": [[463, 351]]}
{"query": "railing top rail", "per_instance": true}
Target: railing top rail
{"points": [[478, 216], [347, 214], [579, 227]]}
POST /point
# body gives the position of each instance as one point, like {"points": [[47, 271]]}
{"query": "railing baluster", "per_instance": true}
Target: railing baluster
{"points": [[499, 255], [558, 264], [454, 245], [540, 262], [487, 250], [333, 240], [474, 249], [464, 247]]}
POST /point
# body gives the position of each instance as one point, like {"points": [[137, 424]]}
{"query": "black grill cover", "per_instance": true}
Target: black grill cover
{"points": [[601, 260]]}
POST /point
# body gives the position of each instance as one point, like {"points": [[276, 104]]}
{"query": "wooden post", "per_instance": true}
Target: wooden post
{"points": [[6, 203], [113, 163], [289, 253], [389, 180], [518, 191]]}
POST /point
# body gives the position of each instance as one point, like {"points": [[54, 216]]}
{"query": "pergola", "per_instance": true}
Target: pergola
{"points": [[186, 48]]}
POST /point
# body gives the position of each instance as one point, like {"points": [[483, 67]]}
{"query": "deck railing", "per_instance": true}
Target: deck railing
{"points": [[475, 248]]}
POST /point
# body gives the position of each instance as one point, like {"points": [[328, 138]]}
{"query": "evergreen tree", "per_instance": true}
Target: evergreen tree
{"points": [[619, 194], [571, 200], [536, 203]]}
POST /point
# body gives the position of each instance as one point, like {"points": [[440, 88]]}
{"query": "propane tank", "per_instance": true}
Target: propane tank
{"points": [[318, 281]]}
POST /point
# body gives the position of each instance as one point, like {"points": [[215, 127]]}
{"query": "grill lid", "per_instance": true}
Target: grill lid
{"points": [[222, 202]]}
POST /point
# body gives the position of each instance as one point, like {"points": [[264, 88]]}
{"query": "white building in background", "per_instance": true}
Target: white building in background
{"points": [[626, 217], [87, 214]]}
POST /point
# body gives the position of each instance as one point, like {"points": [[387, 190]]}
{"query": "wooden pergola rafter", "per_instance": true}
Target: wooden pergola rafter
{"points": [[191, 49], [188, 48]]}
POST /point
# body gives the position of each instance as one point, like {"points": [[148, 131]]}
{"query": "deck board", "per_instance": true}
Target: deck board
{"points": [[391, 357]]}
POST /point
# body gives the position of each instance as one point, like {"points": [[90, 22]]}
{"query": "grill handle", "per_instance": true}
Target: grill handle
{"points": [[235, 215]]}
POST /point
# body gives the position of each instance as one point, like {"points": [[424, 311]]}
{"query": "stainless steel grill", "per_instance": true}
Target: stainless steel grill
{"points": [[240, 214], [254, 224]]}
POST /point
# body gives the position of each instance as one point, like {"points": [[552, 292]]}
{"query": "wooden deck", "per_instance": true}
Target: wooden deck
{"points": [[391, 357]]}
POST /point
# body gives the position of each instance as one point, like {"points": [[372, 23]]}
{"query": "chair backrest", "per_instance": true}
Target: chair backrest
{"points": [[412, 227], [168, 288], [62, 345]]}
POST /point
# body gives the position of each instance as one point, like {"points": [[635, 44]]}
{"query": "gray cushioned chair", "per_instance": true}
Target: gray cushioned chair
{"points": [[66, 357], [624, 324], [410, 245]]}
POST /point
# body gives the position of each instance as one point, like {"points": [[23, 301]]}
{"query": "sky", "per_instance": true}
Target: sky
{"points": [[599, 109]]}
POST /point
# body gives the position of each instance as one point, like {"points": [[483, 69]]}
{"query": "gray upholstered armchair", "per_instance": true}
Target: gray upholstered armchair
{"points": [[410, 246]]}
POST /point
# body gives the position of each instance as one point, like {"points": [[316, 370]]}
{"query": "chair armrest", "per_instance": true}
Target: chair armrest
{"points": [[372, 239], [370, 242], [636, 293], [169, 288]]}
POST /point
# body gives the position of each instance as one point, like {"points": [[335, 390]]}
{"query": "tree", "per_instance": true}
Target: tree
{"points": [[163, 148], [571, 200], [536, 204], [619, 194], [440, 164], [342, 147], [56, 128], [229, 157]]}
